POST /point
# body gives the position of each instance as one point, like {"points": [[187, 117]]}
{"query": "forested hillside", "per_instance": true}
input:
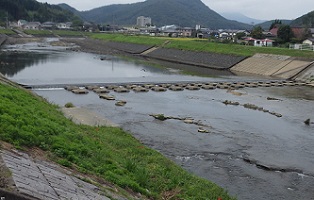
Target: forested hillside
{"points": [[32, 10], [162, 12], [305, 20]]}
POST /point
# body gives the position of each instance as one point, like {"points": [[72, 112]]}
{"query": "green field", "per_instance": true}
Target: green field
{"points": [[7, 31], [203, 45], [54, 32], [110, 153]]}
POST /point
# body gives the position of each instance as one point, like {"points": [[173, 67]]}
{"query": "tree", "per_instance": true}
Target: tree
{"points": [[257, 32], [240, 35], [275, 23], [285, 34]]}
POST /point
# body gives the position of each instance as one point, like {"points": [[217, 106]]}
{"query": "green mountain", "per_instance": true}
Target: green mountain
{"points": [[306, 20], [162, 12], [31, 10]]}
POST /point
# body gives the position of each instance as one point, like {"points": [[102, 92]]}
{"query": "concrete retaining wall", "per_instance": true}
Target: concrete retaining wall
{"points": [[203, 59], [285, 67], [3, 38], [128, 47]]}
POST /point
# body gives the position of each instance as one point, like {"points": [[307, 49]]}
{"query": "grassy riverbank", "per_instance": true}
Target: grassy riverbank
{"points": [[203, 45], [110, 153]]}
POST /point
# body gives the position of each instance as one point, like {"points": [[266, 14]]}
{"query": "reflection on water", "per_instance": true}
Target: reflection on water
{"points": [[35, 64], [11, 63], [43, 68]]}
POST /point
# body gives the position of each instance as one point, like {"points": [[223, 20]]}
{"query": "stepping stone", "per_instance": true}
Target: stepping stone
{"points": [[107, 97], [101, 90], [208, 87], [92, 87], [159, 89], [192, 87], [121, 90], [111, 87], [175, 88], [165, 85], [71, 88], [80, 91], [121, 103], [223, 86], [148, 86], [140, 89], [131, 87]]}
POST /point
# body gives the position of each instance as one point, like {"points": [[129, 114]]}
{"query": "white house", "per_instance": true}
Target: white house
{"points": [[66, 25], [259, 42], [309, 41], [21, 23], [263, 43], [32, 26]]}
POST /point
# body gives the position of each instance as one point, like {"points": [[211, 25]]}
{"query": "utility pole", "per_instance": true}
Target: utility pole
{"points": [[7, 20]]}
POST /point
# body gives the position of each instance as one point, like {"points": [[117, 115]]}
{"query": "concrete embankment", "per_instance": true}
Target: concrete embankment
{"points": [[3, 38], [282, 67], [201, 59], [277, 66]]}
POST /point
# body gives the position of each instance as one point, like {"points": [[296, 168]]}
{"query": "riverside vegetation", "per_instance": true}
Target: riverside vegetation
{"points": [[28, 121]]}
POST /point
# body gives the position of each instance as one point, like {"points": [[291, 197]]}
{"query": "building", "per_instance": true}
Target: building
{"points": [[186, 31], [143, 21], [21, 23], [48, 25], [32, 26], [309, 41], [259, 42], [64, 26]]}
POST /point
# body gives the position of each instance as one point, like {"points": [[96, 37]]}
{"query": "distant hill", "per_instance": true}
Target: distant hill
{"points": [[266, 25], [162, 12], [306, 20], [241, 18], [32, 10]]}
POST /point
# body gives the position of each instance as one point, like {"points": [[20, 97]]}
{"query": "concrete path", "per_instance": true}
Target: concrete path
{"points": [[43, 180], [271, 65]]}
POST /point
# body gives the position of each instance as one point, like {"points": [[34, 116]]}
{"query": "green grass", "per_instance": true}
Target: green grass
{"points": [[203, 45], [67, 33], [130, 39], [55, 32], [110, 153], [7, 31], [37, 32]]}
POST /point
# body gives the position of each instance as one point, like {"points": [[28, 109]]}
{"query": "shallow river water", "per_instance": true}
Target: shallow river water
{"points": [[254, 155]]}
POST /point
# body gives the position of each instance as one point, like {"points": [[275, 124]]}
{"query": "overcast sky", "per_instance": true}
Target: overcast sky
{"points": [[258, 9]]}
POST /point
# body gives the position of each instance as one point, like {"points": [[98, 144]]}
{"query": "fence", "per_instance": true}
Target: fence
{"points": [[305, 47]]}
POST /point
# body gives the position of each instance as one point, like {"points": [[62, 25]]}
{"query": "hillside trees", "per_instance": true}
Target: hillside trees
{"points": [[284, 34], [32, 10], [257, 33]]}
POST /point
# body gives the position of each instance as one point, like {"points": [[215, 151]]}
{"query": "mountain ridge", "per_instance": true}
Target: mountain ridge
{"points": [[162, 12]]}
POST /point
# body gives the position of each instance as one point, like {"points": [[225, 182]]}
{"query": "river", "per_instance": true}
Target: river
{"points": [[252, 154]]}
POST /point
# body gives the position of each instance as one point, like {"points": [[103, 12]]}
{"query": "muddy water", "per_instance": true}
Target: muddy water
{"points": [[254, 155]]}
